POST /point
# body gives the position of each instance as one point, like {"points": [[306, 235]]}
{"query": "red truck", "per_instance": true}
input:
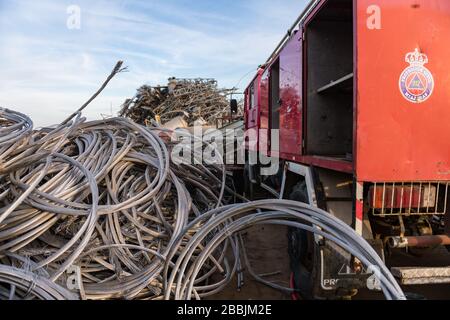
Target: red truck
{"points": [[360, 93]]}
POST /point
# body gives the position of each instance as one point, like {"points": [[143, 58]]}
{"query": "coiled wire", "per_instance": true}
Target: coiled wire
{"points": [[107, 188], [222, 224]]}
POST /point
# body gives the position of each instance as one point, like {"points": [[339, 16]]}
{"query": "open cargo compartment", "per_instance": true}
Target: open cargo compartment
{"points": [[329, 83]]}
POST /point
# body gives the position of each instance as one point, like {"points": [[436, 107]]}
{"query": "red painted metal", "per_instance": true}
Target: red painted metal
{"points": [[400, 196], [253, 106], [328, 163], [264, 113], [395, 140], [359, 202], [398, 140], [252, 110], [291, 97]]}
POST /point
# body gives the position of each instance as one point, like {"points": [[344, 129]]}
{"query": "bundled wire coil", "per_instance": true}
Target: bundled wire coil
{"points": [[224, 224], [28, 285], [13, 127], [102, 196]]}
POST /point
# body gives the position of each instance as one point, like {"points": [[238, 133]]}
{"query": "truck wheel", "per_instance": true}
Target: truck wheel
{"points": [[248, 185], [303, 251]]}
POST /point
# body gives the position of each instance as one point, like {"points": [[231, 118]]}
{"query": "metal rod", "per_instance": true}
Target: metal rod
{"points": [[311, 5], [420, 241]]}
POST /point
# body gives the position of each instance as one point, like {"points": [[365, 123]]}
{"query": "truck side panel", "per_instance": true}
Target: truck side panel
{"points": [[398, 139]]}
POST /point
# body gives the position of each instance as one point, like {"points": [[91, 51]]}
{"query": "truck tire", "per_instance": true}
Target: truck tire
{"points": [[303, 251], [248, 185]]}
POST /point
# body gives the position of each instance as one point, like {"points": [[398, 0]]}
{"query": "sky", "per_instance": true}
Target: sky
{"points": [[54, 54]]}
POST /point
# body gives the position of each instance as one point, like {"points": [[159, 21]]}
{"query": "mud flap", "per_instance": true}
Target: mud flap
{"points": [[337, 276]]}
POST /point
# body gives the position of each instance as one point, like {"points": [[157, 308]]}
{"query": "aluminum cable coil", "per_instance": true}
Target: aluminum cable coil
{"points": [[104, 197], [222, 224]]}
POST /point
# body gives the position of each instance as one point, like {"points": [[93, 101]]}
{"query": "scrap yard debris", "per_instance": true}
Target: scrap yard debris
{"points": [[192, 99], [101, 197], [97, 210]]}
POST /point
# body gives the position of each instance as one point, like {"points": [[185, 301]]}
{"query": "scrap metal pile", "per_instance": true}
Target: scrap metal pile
{"points": [[102, 201], [102, 196], [193, 99], [98, 210]]}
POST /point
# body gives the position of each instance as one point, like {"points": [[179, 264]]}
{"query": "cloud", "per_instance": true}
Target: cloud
{"points": [[48, 70]]}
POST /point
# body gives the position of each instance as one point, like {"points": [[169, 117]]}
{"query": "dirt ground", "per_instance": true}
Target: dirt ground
{"points": [[267, 251]]}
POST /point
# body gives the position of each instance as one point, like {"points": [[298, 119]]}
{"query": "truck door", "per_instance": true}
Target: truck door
{"points": [[403, 90], [252, 103], [290, 98]]}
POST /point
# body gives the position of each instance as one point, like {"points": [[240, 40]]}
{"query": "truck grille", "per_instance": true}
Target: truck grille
{"points": [[412, 198]]}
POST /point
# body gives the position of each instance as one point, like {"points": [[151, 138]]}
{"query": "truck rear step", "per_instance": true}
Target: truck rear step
{"points": [[420, 276]]}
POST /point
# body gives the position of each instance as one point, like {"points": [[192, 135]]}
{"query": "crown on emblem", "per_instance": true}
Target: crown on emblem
{"points": [[416, 58]]}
